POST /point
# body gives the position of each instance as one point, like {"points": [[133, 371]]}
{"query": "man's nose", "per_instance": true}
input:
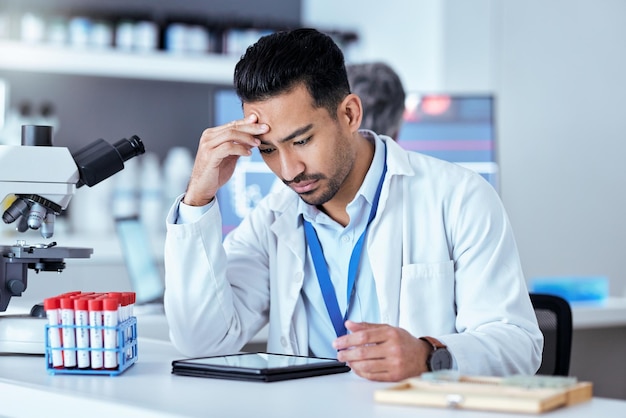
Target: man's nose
{"points": [[290, 167]]}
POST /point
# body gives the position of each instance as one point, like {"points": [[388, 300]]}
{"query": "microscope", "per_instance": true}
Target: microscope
{"points": [[37, 182]]}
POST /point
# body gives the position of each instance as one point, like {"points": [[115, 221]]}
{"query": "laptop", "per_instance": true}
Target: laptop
{"points": [[143, 270]]}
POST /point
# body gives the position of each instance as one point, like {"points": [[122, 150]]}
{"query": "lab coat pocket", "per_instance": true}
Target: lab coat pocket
{"points": [[427, 298]]}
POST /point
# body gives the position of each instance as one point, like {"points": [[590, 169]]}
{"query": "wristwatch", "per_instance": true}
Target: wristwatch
{"points": [[440, 358]]}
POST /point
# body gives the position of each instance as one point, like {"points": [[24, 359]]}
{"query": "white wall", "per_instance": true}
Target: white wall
{"points": [[562, 71], [432, 46], [558, 71], [386, 34]]}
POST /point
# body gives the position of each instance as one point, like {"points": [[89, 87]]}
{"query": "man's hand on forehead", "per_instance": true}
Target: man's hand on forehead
{"points": [[250, 126]]}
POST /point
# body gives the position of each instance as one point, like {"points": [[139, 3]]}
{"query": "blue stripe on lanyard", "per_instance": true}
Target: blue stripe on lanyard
{"points": [[321, 268]]}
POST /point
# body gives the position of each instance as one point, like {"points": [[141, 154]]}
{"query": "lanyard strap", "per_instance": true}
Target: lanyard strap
{"points": [[321, 268]]}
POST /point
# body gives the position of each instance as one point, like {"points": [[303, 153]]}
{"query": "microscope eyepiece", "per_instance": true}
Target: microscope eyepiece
{"points": [[37, 135], [100, 160], [129, 148]]}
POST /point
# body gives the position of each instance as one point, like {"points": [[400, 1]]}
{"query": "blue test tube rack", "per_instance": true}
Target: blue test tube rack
{"points": [[126, 349]]}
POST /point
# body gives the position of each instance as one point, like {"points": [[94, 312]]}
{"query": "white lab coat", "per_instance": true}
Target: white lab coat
{"points": [[441, 250]]}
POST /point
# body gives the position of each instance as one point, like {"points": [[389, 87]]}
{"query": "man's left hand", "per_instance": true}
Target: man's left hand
{"points": [[382, 352]]}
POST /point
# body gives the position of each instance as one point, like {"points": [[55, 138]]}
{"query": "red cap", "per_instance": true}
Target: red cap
{"points": [[67, 303], [95, 305], [81, 304], [115, 295], [67, 294], [51, 303], [110, 304], [131, 297]]}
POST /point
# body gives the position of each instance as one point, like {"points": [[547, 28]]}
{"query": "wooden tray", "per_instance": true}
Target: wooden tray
{"points": [[484, 393]]}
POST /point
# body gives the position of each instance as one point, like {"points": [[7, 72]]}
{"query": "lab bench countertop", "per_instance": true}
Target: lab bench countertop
{"points": [[608, 313], [148, 388]]}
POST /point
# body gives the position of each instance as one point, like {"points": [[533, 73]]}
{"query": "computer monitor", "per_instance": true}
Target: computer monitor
{"points": [[143, 271], [456, 128]]}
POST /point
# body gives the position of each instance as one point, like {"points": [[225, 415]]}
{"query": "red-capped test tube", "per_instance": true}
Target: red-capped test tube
{"points": [[81, 320], [132, 298], [52, 307], [110, 320], [68, 333], [96, 333]]}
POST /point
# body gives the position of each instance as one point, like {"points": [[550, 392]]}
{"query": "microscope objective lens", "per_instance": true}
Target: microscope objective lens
{"points": [[36, 215], [18, 208]]}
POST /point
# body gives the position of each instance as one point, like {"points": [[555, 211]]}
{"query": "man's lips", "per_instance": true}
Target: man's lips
{"points": [[303, 186]]}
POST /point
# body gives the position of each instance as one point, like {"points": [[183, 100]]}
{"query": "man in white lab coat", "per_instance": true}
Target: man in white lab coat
{"points": [[392, 261]]}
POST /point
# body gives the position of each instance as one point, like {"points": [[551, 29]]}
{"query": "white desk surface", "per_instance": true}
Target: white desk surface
{"points": [[149, 389], [610, 313]]}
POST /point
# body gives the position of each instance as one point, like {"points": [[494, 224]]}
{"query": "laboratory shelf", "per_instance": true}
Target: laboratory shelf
{"points": [[157, 65]]}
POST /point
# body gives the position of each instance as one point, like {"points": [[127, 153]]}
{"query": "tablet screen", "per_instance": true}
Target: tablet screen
{"points": [[261, 361]]}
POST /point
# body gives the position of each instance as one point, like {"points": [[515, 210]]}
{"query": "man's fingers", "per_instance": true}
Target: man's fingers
{"points": [[361, 352], [381, 369], [248, 125], [245, 135], [230, 149], [358, 326], [361, 333]]}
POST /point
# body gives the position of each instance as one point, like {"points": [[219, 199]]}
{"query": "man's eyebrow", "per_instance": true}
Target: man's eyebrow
{"points": [[294, 134]]}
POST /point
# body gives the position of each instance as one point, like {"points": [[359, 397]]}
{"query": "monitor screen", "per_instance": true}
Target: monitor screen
{"points": [[143, 271], [456, 128]]}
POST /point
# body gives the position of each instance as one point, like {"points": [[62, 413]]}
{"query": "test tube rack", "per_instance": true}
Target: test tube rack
{"points": [[125, 350]]}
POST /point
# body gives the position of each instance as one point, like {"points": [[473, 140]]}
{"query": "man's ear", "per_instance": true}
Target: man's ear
{"points": [[351, 111]]}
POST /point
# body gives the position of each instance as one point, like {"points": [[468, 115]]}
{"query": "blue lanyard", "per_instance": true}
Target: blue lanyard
{"points": [[321, 268]]}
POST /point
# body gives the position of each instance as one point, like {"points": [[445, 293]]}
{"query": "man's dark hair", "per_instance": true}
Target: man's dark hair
{"points": [[278, 62]]}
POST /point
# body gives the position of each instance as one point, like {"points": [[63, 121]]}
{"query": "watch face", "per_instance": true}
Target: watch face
{"points": [[440, 360]]}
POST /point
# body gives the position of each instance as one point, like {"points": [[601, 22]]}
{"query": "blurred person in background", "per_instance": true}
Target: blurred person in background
{"points": [[382, 96]]}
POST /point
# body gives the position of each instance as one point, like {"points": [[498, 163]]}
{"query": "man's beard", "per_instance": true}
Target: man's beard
{"points": [[328, 193], [343, 163]]}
